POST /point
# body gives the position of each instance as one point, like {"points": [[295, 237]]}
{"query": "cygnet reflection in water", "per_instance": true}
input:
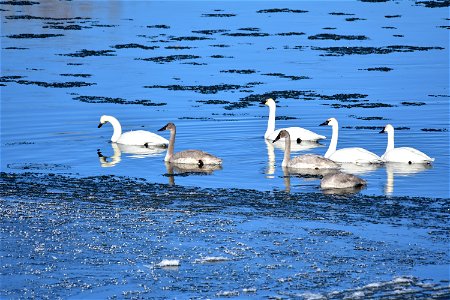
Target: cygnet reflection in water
{"points": [[119, 149], [188, 169]]}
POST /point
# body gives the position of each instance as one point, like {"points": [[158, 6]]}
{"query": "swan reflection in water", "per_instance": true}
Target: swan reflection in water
{"points": [[187, 170], [358, 169], [135, 151], [401, 169]]}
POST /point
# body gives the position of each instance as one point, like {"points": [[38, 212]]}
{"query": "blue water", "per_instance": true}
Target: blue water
{"points": [[47, 126], [48, 130]]}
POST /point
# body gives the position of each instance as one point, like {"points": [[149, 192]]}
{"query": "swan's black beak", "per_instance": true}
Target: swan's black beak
{"points": [[100, 125], [277, 138], [324, 123], [382, 131], [263, 102], [99, 153], [164, 128]]}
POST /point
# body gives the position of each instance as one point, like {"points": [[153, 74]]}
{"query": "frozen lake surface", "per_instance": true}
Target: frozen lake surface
{"points": [[247, 229]]}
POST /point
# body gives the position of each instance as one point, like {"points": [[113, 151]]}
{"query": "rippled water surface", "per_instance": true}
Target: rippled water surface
{"points": [[206, 66]]}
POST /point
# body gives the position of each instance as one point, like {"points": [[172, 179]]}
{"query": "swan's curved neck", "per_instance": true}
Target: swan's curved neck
{"points": [[271, 121], [333, 143], [171, 147], [287, 152], [390, 143], [117, 129]]}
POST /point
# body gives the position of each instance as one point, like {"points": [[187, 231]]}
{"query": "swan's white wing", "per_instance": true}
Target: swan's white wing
{"points": [[298, 133], [141, 137], [406, 155], [355, 155]]}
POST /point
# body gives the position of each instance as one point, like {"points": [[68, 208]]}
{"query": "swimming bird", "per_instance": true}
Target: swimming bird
{"points": [[402, 154], [194, 157], [306, 161], [341, 181], [137, 137], [347, 155], [296, 133]]}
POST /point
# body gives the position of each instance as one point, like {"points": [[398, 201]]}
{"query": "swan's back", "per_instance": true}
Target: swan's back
{"points": [[341, 181], [141, 137], [298, 133], [406, 155], [354, 155], [312, 161], [195, 157]]}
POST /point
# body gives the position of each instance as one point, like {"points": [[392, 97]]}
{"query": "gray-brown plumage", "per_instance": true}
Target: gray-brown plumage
{"points": [[306, 161], [192, 157], [341, 181]]}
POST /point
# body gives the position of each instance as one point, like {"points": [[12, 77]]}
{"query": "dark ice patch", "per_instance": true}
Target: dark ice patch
{"points": [[354, 19], [405, 103], [434, 129], [159, 26], [291, 77], [340, 51], [86, 53], [69, 84], [178, 47], [76, 75], [210, 31], [246, 34], [203, 89], [290, 33], [134, 46], [368, 118], [190, 38], [102, 99], [214, 102], [380, 69], [340, 14], [281, 10], [37, 166], [362, 105], [392, 16], [170, 58], [33, 35], [336, 37], [434, 4], [247, 71], [19, 3], [219, 15]]}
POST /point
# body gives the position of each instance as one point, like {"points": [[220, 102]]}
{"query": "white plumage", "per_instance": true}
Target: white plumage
{"points": [[402, 154], [137, 138], [347, 155], [296, 133]]}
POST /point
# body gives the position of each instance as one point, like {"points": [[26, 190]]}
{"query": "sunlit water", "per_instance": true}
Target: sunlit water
{"points": [[164, 61]]}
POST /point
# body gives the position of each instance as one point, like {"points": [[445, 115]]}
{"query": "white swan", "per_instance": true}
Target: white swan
{"points": [[296, 133], [306, 161], [347, 155], [341, 181], [402, 154], [193, 157], [138, 137]]}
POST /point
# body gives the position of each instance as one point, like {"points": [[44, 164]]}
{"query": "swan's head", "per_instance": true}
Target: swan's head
{"points": [[388, 128], [168, 126], [282, 134], [330, 122], [269, 102], [103, 120]]}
